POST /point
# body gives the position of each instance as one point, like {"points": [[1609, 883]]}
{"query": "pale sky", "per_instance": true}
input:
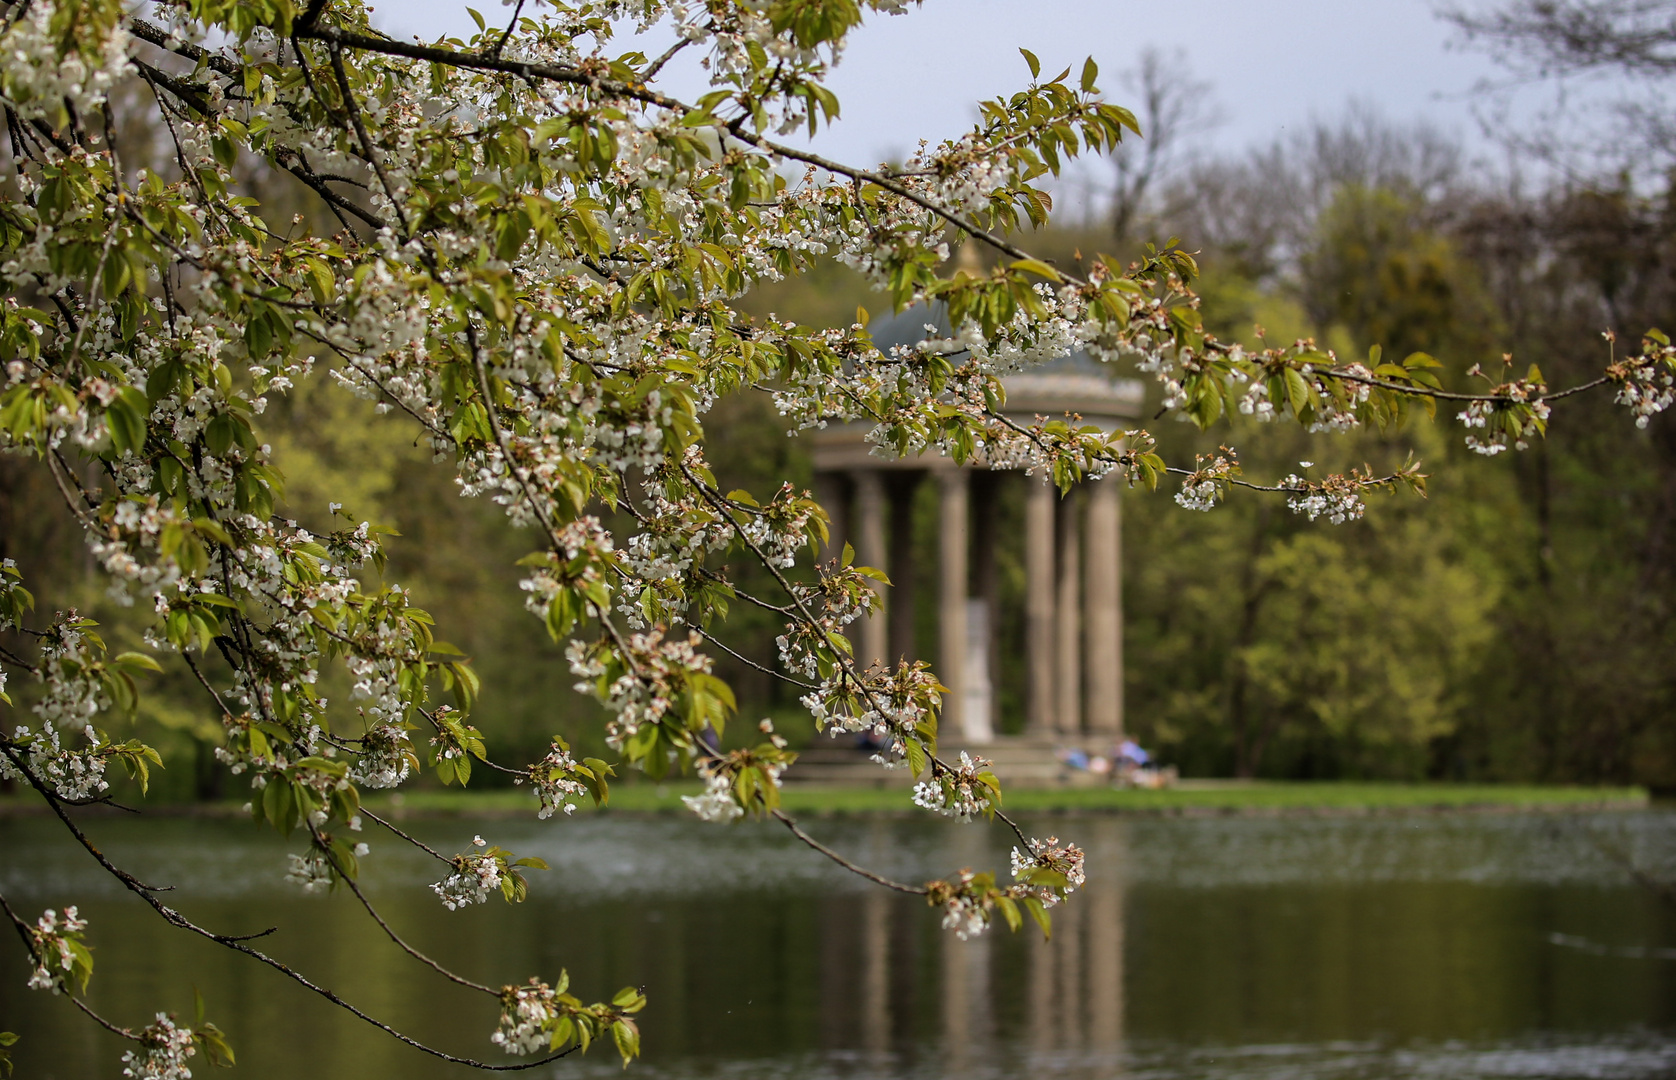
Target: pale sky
{"points": [[1272, 64]]}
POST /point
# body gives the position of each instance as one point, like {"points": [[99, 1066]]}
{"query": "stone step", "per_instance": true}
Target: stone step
{"points": [[1019, 762]]}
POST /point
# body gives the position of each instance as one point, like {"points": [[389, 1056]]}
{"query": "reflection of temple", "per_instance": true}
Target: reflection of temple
{"points": [[1072, 556], [887, 983]]}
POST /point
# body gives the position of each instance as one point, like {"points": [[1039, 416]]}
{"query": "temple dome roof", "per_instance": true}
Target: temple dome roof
{"points": [[1075, 384]]}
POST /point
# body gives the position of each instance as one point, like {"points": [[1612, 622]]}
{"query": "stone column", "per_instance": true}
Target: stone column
{"points": [[954, 516], [873, 632], [1068, 621], [977, 718], [900, 487], [1040, 708], [983, 621], [831, 494], [1104, 639]]}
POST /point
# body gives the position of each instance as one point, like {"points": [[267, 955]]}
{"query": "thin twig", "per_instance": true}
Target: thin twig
{"points": [[538, 508], [877, 879], [206, 685], [507, 33], [720, 644], [668, 55], [354, 110], [320, 843], [415, 841]]}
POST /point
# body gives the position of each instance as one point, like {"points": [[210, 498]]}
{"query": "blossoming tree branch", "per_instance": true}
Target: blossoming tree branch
{"points": [[532, 260]]}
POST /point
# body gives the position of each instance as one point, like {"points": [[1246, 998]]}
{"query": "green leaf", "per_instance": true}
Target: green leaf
{"points": [[916, 757], [1039, 912], [1009, 909], [221, 433], [1036, 266], [81, 963], [1035, 64], [214, 1044], [1297, 391], [627, 1038], [126, 419], [278, 805]]}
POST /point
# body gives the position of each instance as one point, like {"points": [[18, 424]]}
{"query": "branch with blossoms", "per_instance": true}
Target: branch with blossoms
{"points": [[908, 724], [62, 963], [1338, 497], [236, 943]]}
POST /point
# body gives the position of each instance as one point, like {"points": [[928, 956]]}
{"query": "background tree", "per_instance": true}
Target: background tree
{"points": [[1173, 108]]}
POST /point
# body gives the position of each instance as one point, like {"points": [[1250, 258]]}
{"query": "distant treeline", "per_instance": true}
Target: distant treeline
{"points": [[1515, 626]]}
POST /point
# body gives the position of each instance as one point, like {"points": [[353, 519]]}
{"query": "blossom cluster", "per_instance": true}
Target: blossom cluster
{"points": [[962, 792], [716, 802], [781, 527], [1337, 498], [891, 706], [313, 871], [41, 77], [69, 667], [386, 757], [475, 876], [556, 782], [164, 1050], [1063, 866], [841, 596], [55, 941], [1255, 402], [966, 905], [1208, 481], [641, 685], [527, 1014], [1647, 383], [75, 775], [1509, 415], [129, 549], [587, 554]]}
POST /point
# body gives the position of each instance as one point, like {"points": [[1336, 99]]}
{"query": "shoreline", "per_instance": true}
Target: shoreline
{"points": [[1265, 799]]}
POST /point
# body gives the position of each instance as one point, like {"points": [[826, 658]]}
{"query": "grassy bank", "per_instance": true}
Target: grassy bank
{"points": [[1218, 798], [1200, 798]]}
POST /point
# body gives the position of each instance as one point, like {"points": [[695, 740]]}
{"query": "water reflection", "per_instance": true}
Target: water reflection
{"points": [[1440, 946]]}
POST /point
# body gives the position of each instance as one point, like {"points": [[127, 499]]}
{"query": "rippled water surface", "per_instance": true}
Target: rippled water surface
{"points": [[1446, 946]]}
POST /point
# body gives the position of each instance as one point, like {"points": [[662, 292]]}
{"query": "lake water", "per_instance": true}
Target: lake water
{"points": [[1425, 946]]}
